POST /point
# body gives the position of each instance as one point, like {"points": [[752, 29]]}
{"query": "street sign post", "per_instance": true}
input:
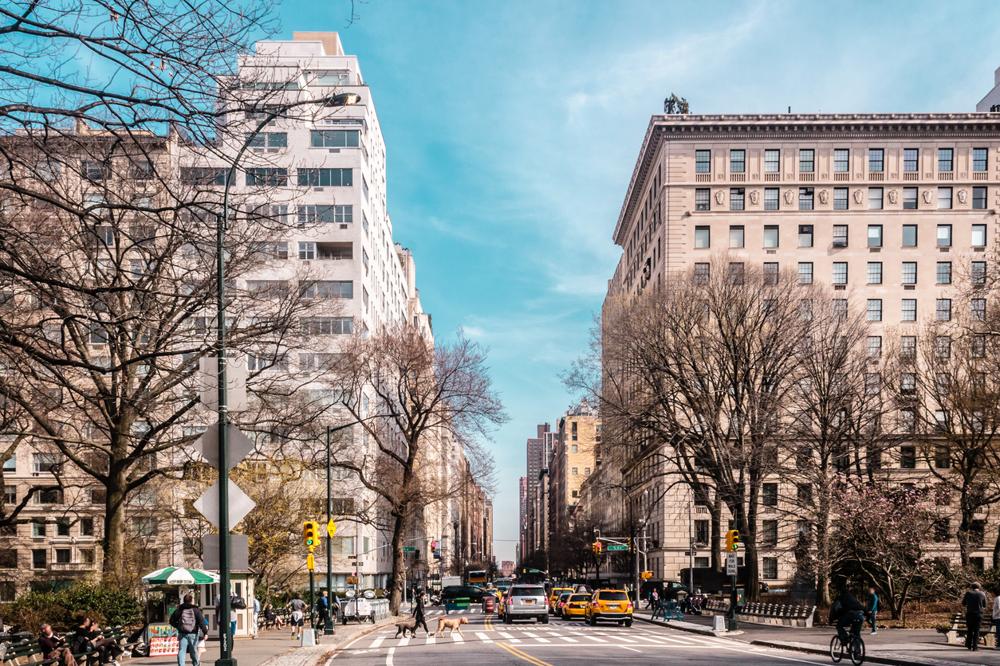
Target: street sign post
{"points": [[240, 504], [731, 564], [331, 529], [616, 547], [409, 549]]}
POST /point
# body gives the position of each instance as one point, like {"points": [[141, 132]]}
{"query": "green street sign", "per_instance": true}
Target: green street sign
{"points": [[616, 547], [409, 549]]}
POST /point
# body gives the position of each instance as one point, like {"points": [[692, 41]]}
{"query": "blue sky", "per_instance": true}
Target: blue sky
{"points": [[512, 129]]}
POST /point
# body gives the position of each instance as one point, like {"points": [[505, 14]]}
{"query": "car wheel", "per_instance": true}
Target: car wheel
{"points": [[545, 619], [628, 623]]}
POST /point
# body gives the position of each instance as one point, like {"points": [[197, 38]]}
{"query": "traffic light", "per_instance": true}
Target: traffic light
{"points": [[596, 547], [733, 540], [310, 533]]}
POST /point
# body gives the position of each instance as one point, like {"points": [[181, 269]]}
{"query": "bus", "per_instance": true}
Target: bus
{"points": [[476, 577]]}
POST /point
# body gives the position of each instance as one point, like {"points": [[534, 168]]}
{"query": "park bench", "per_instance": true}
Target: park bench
{"points": [[668, 610], [25, 649], [956, 634], [787, 615]]}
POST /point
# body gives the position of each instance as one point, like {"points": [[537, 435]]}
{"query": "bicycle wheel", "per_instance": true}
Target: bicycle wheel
{"points": [[836, 649], [857, 651]]}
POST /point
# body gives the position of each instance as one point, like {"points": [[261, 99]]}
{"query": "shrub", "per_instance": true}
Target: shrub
{"points": [[60, 608]]}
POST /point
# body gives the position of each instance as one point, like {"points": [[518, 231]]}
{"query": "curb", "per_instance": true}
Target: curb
{"points": [[875, 659], [328, 650], [690, 628]]}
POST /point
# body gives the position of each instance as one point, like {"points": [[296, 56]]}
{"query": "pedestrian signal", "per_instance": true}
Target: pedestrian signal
{"points": [[596, 547], [310, 533]]}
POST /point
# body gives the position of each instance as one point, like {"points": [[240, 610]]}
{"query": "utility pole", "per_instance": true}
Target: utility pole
{"points": [[691, 544], [328, 629]]}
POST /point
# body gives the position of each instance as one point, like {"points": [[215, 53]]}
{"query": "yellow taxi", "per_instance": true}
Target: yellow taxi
{"points": [[575, 606], [554, 597], [609, 605]]}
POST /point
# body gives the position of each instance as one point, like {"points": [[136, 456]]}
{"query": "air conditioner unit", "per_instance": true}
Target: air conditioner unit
{"points": [[343, 226], [272, 150], [318, 189], [334, 150]]}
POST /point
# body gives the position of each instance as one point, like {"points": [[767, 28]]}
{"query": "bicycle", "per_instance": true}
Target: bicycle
{"points": [[856, 651]]}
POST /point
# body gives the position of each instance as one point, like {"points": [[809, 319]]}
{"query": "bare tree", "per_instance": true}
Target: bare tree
{"points": [[408, 397]]}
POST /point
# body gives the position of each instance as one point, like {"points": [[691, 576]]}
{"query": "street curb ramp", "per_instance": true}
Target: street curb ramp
{"points": [[680, 625], [322, 654], [873, 658]]}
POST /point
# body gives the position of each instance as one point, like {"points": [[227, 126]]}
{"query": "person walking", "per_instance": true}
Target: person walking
{"points": [[996, 619], [298, 609], [323, 609], [974, 603], [189, 622], [255, 617], [418, 612], [654, 599], [54, 647], [871, 609]]}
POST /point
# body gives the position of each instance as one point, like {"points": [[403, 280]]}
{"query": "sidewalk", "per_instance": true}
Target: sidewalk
{"points": [[890, 646], [276, 648]]}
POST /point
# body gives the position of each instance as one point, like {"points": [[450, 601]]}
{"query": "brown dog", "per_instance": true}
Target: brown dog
{"points": [[408, 625], [453, 623]]}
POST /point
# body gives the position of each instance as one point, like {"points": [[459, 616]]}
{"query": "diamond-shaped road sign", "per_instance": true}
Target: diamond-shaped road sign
{"points": [[239, 445], [331, 528], [240, 504]]}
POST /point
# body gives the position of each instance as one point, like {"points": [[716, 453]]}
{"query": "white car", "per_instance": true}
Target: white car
{"points": [[526, 601]]}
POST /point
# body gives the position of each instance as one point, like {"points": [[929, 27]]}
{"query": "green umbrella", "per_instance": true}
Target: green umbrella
{"points": [[180, 576]]}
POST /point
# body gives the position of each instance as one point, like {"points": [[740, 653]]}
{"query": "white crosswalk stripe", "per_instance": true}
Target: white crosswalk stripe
{"points": [[483, 637], [457, 637]]}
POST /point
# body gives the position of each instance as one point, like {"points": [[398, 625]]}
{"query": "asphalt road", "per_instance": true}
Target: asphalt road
{"points": [[485, 642]]}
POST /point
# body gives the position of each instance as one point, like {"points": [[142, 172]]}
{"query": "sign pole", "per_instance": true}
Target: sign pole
{"points": [[328, 628]]}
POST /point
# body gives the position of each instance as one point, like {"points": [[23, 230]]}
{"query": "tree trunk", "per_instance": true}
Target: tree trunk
{"points": [[748, 538], [996, 551], [823, 564], [398, 559], [716, 533], [964, 532], [113, 539]]}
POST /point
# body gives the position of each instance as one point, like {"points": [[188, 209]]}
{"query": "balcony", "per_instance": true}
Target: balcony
{"points": [[737, 177], [979, 175], [334, 251], [71, 567], [946, 175], [876, 176], [911, 175], [703, 178]]}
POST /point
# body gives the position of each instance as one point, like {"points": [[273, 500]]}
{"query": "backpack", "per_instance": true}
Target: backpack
{"points": [[237, 602], [187, 623]]}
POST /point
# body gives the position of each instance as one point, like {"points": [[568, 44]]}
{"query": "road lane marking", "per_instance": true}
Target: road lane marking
{"points": [[431, 640], [483, 637], [457, 637], [523, 655], [568, 639], [504, 634], [377, 642], [388, 657]]}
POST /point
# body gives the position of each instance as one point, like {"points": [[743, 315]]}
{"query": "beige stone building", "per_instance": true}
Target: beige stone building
{"points": [[573, 460], [893, 211]]}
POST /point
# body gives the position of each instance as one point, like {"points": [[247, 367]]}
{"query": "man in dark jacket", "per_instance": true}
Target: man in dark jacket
{"points": [[974, 603], [190, 625], [418, 612], [847, 611], [54, 647]]}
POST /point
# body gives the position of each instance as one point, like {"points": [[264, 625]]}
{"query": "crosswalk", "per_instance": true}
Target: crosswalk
{"points": [[562, 635]]}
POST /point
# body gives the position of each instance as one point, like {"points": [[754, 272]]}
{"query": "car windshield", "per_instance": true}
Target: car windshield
{"points": [[564, 595], [580, 597], [612, 596], [526, 591]]}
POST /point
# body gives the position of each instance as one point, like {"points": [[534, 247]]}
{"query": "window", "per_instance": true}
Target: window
{"points": [[769, 568], [770, 273], [942, 309], [39, 558], [95, 170], [910, 198], [49, 496], [38, 528], [269, 140], [736, 236], [771, 199], [805, 198], [575, 448], [737, 161], [327, 289], [946, 160], [873, 309], [576, 471], [703, 199], [944, 235], [307, 250], [908, 457], [840, 272], [327, 325], [203, 176], [978, 235], [979, 198], [701, 531], [876, 160], [978, 273], [805, 272], [942, 530], [942, 350], [874, 198], [10, 494], [840, 199], [874, 235], [334, 138], [703, 161], [266, 177], [772, 161], [979, 159], [908, 344], [944, 198], [44, 462], [10, 464], [736, 272], [86, 527], [805, 235], [942, 456], [771, 236], [769, 494], [874, 345], [840, 235], [702, 237], [908, 383], [841, 160], [736, 198], [909, 235], [977, 348], [943, 272], [909, 272], [909, 311], [575, 430], [62, 527], [807, 160], [326, 177], [977, 307], [769, 533], [701, 273], [911, 160], [874, 272]]}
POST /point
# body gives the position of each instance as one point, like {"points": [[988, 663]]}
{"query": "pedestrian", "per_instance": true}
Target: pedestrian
{"points": [[996, 619], [54, 647], [298, 609], [871, 608], [189, 622], [323, 608], [255, 617], [232, 615], [654, 599], [974, 603], [418, 613]]}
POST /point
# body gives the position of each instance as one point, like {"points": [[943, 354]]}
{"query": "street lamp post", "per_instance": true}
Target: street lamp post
{"points": [[328, 628]]}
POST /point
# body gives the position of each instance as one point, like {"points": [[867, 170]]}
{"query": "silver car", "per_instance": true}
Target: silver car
{"points": [[526, 601]]}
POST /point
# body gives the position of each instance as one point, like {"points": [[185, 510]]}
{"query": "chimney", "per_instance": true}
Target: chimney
{"points": [[329, 40]]}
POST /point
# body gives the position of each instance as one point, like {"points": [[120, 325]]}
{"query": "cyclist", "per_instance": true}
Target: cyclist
{"points": [[847, 611]]}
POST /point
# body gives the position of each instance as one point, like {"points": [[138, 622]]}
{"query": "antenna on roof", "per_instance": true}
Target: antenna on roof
{"points": [[789, 109]]}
